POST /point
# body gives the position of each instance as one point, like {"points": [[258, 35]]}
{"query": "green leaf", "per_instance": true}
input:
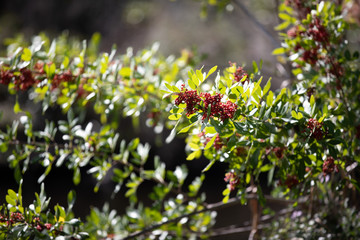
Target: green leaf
{"points": [[213, 69], [282, 26], [267, 87], [266, 167], [174, 116], [26, 55], [194, 155], [278, 51], [65, 63], [169, 87], [191, 84], [77, 176], [199, 77], [17, 108], [12, 194], [10, 200], [323, 117], [187, 128], [312, 100], [210, 143], [252, 112], [255, 67], [71, 198], [270, 98], [209, 165], [270, 175]]}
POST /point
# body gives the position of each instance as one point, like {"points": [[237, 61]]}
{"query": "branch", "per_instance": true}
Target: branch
{"points": [[246, 227], [228, 231], [210, 207], [256, 22]]}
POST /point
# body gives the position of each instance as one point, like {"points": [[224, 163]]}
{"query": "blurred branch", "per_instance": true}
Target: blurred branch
{"points": [[256, 22], [246, 226], [210, 207]]}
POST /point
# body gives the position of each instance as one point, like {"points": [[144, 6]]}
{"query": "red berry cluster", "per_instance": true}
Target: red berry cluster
{"points": [[294, 32], [22, 80], [279, 152], [25, 80], [290, 181], [240, 73], [210, 102], [318, 32], [218, 143], [232, 179], [240, 151], [39, 67], [316, 129], [41, 226], [190, 98], [59, 78], [337, 70], [311, 56], [299, 5], [6, 76], [329, 166], [217, 108], [15, 217]]}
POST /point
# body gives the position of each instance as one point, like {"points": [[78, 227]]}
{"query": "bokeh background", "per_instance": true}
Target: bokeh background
{"points": [[231, 35]]}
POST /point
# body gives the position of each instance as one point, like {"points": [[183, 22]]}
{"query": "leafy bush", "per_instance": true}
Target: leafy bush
{"points": [[300, 136]]}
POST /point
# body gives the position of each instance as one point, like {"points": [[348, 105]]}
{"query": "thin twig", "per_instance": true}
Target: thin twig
{"points": [[256, 22]]}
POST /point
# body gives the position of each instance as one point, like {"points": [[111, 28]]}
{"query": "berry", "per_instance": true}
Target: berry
{"points": [[39, 227], [48, 226], [290, 181], [279, 152], [329, 166], [316, 129], [240, 73], [25, 80], [16, 217], [6, 76], [59, 78], [190, 98], [232, 179], [311, 56], [211, 104]]}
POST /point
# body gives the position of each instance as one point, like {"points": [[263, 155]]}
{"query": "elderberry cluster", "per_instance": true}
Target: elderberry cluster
{"points": [[232, 179]]}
